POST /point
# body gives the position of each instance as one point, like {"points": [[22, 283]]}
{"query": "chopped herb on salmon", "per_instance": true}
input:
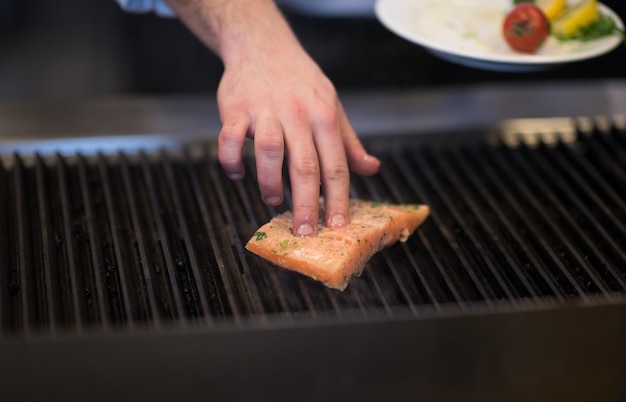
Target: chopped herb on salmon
{"points": [[334, 255]]}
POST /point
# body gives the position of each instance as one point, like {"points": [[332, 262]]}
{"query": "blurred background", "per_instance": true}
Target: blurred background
{"points": [[74, 49]]}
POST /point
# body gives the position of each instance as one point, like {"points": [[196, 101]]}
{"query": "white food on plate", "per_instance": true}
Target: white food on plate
{"points": [[469, 32]]}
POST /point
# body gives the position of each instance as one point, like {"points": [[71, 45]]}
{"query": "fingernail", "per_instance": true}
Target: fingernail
{"points": [[235, 176], [272, 200], [371, 158], [337, 220], [304, 230]]}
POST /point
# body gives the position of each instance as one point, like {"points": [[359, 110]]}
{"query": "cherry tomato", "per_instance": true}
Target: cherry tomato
{"points": [[525, 28]]}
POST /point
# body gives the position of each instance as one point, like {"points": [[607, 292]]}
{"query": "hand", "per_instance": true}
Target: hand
{"points": [[273, 92], [279, 97]]}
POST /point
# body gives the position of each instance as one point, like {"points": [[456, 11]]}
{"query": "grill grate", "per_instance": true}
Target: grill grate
{"points": [[147, 239]]}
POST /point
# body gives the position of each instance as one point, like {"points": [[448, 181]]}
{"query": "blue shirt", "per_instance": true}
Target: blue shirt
{"points": [[144, 6]]}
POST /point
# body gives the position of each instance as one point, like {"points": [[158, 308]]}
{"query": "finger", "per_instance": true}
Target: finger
{"points": [[269, 150], [359, 160], [230, 144], [335, 173], [304, 176]]}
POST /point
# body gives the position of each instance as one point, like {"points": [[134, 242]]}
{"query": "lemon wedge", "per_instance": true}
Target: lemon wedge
{"points": [[575, 17], [551, 8]]}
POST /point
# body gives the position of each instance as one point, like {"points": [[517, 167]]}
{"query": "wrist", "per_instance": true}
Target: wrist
{"points": [[235, 28], [252, 27]]}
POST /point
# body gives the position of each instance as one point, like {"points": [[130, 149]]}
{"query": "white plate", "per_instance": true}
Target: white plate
{"points": [[468, 32]]}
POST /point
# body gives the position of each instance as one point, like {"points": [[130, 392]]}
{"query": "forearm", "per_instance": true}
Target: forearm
{"points": [[233, 28]]}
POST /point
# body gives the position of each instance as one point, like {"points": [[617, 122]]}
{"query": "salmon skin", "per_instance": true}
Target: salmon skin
{"points": [[334, 255]]}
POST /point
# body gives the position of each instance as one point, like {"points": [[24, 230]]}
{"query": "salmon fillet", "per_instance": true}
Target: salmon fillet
{"points": [[335, 255]]}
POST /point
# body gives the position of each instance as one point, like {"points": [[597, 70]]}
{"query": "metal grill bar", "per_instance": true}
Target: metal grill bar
{"points": [[281, 299], [4, 252], [550, 211], [599, 234], [51, 296], [597, 191], [538, 222], [414, 291], [147, 239], [229, 235], [502, 231], [178, 304], [195, 281], [471, 289], [226, 304], [146, 281], [497, 284], [20, 277], [516, 280], [603, 143], [482, 243], [116, 262], [94, 244], [67, 300], [73, 240]]}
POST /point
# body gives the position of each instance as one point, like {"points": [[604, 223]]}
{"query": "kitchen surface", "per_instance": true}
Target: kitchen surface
{"points": [[122, 269]]}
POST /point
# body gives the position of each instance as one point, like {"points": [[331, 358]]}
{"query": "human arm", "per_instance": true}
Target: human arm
{"points": [[273, 92]]}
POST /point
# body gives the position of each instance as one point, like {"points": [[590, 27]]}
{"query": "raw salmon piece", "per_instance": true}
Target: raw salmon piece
{"points": [[334, 256]]}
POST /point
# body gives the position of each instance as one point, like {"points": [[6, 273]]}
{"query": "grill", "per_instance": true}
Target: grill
{"points": [[128, 269]]}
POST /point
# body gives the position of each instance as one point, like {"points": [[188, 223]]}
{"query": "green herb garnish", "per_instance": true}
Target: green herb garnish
{"points": [[260, 235], [603, 26]]}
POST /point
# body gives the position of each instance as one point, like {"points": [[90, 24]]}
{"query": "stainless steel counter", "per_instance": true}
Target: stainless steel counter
{"points": [[370, 112]]}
